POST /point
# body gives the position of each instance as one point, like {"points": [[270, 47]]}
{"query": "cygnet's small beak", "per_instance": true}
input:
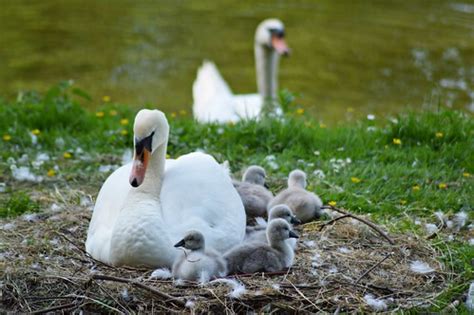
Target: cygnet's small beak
{"points": [[295, 220], [140, 160], [293, 235], [266, 186], [279, 44], [180, 243]]}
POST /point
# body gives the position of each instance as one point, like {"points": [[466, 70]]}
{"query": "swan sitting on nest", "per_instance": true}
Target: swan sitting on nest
{"points": [[214, 100], [136, 222]]}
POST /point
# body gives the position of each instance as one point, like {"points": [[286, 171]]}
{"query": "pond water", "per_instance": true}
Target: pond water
{"points": [[348, 57]]}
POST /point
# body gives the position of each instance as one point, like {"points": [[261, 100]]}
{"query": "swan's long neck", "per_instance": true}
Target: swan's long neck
{"points": [[266, 64], [154, 174]]}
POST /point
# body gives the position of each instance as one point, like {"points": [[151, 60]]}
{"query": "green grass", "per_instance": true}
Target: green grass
{"points": [[397, 168], [17, 204]]}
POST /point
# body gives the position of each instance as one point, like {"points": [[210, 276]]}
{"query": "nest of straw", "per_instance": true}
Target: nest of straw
{"points": [[45, 268]]}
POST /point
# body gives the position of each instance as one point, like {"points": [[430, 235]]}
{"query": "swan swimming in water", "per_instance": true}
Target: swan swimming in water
{"points": [[146, 205], [213, 98]]}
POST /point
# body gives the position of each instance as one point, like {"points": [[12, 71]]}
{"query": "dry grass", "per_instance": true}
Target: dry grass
{"points": [[45, 268]]}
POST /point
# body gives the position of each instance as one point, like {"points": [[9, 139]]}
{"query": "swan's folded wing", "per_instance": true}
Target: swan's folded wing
{"points": [[109, 202], [213, 98], [248, 106], [197, 193]]}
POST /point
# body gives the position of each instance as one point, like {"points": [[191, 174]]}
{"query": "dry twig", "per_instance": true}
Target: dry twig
{"points": [[367, 222]]}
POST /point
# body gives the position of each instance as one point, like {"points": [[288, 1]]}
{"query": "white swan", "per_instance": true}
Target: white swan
{"points": [[214, 100], [138, 225]]}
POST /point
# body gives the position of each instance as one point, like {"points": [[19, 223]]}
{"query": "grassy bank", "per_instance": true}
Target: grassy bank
{"points": [[400, 170]]}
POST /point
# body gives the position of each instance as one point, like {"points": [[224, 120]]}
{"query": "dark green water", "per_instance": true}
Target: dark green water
{"points": [[368, 56]]}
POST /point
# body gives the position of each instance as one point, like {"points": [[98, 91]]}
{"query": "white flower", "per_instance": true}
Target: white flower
{"points": [[319, 174], [370, 116]]}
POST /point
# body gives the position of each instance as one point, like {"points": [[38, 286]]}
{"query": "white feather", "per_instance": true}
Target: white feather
{"points": [[470, 298], [431, 228], [161, 273], [374, 303], [261, 221], [238, 289], [460, 219], [418, 266]]}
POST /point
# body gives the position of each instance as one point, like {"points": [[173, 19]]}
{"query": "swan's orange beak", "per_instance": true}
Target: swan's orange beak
{"points": [[140, 163], [140, 160], [279, 44]]}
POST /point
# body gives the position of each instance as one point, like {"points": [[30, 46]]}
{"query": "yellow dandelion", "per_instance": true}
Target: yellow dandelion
{"points": [[67, 155], [6, 137], [51, 173], [397, 141], [99, 114], [35, 132], [403, 202], [168, 156], [123, 132], [106, 98], [113, 112], [183, 112], [466, 174], [442, 186], [439, 135], [300, 111], [322, 126], [350, 110], [124, 121], [173, 114], [355, 180], [416, 188], [332, 203]]}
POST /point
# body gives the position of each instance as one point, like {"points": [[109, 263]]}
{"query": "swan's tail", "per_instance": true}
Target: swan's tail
{"points": [[210, 94]]}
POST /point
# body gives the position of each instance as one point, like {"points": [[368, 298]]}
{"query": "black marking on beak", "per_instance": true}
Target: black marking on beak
{"points": [[293, 235], [266, 186], [180, 243], [295, 220], [144, 143], [134, 183], [280, 33]]}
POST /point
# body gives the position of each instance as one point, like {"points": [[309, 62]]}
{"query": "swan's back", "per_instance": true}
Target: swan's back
{"points": [[212, 96], [197, 193]]}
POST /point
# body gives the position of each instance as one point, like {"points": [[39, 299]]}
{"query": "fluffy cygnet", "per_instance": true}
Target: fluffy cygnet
{"points": [[305, 205], [253, 191], [258, 234], [262, 257], [198, 263]]}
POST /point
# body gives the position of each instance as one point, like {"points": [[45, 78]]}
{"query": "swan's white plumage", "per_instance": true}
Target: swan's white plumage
{"points": [[130, 226], [214, 100]]}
